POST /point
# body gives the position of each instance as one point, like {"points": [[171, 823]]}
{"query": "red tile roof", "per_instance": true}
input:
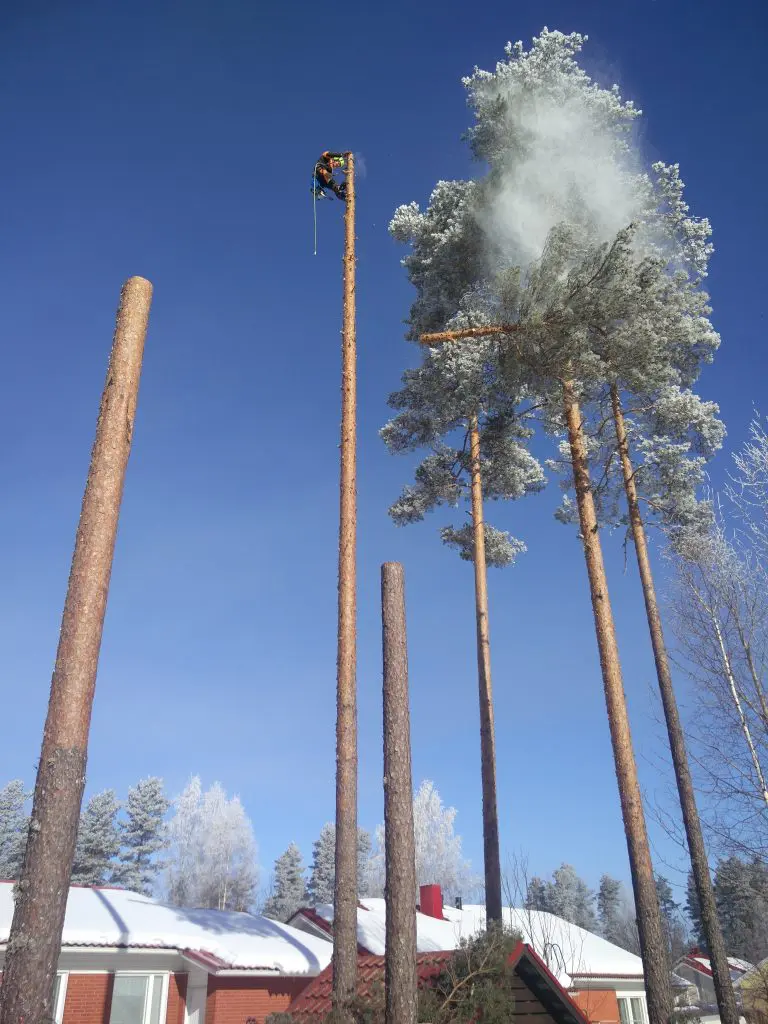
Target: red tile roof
{"points": [[314, 1003], [701, 963]]}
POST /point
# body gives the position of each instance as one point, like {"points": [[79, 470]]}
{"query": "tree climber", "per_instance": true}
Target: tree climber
{"points": [[323, 176]]}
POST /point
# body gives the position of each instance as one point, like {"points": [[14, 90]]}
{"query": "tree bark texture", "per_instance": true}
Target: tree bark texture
{"points": [[726, 1000], [399, 842], [652, 939], [35, 938], [345, 885], [492, 858]]}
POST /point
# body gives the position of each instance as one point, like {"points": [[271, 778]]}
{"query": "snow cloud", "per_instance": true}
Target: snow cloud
{"points": [[560, 148]]}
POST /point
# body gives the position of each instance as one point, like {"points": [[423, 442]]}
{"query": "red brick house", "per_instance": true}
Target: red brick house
{"points": [[129, 959], [539, 997], [605, 981]]}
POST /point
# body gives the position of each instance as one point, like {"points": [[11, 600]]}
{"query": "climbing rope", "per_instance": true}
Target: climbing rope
{"points": [[314, 203]]}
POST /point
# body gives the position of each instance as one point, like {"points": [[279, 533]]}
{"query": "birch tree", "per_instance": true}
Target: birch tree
{"points": [[212, 861], [720, 616], [439, 858]]}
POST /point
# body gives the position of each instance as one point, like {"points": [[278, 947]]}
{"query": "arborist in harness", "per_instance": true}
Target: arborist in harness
{"points": [[323, 177]]}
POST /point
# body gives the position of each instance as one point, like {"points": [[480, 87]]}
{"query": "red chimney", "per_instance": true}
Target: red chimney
{"points": [[431, 901]]}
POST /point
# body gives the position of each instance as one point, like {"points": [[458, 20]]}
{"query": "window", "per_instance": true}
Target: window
{"points": [[138, 999], [59, 995], [632, 1010]]}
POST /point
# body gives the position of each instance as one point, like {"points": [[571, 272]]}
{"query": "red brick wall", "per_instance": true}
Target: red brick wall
{"points": [[598, 1006], [89, 997], [234, 1000], [177, 997]]}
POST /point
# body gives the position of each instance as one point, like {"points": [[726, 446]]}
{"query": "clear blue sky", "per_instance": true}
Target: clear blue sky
{"points": [[176, 140]]}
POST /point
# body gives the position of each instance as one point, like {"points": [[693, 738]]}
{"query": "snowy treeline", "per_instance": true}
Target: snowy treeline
{"points": [[438, 860], [116, 842], [199, 849], [609, 911]]}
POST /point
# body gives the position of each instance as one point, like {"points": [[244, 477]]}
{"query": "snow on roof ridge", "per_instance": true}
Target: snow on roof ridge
{"points": [[568, 949]]}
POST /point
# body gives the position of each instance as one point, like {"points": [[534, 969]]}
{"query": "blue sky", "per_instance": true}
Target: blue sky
{"points": [[176, 141]]}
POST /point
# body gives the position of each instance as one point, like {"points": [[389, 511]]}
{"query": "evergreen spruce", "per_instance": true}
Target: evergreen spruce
{"points": [[98, 840], [323, 869], [537, 894], [364, 845], [143, 835], [609, 908], [320, 888], [14, 822], [289, 891], [741, 890]]}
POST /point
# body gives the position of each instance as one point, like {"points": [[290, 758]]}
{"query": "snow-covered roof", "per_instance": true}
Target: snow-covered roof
{"points": [[570, 952], [702, 964], [227, 940]]}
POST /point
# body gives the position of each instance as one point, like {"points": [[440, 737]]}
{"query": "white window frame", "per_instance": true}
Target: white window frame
{"points": [[634, 995], [61, 996], [164, 978]]}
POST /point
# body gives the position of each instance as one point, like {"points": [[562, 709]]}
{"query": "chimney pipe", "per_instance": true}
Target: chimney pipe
{"points": [[431, 901]]}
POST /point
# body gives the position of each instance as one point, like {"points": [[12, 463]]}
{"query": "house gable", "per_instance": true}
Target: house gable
{"points": [[539, 997]]}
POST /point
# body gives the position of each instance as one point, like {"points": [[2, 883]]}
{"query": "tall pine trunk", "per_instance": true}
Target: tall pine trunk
{"points": [[345, 884], [721, 976], [34, 943], [652, 939], [492, 859], [399, 841]]}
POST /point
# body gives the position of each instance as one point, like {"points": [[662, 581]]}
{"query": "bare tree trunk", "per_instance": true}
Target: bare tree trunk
{"points": [[652, 940], [400, 846], [35, 938], [491, 853], [345, 884], [721, 976]]}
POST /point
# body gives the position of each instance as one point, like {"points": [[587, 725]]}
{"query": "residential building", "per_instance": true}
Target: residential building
{"points": [[695, 969], [130, 959], [539, 998], [605, 981]]}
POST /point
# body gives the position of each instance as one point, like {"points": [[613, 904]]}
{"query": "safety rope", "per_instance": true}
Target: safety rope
{"points": [[314, 203]]}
